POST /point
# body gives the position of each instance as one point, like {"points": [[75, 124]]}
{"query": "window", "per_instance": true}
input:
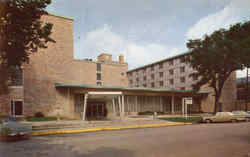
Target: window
{"points": [[183, 88], [16, 108], [131, 81], [161, 83], [195, 78], [137, 79], [152, 68], [182, 69], [99, 83], [144, 85], [98, 76], [171, 62], [182, 79], [122, 73], [160, 65], [161, 74], [152, 84], [144, 78], [16, 76], [99, 67], [152, 76], [171, 81], [182, 59], [171, 71]]}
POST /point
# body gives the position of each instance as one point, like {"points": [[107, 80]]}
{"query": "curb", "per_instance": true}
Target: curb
{"points": [[55, 132]]}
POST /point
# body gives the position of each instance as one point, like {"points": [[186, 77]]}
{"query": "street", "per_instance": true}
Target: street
{"points": [[205, 140]]}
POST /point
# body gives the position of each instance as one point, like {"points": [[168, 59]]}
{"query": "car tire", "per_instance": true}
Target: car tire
{"points": [[208, 121]]}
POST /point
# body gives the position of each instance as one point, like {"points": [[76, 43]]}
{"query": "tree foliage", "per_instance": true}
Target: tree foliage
{"points": [[21, 31], [217, 55]]}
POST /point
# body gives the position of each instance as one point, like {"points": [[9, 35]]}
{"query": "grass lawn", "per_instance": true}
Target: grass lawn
{"points": [[36, 119], [183, 119]]}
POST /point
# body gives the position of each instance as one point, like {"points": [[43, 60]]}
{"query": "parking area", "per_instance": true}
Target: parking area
{"points": [[206, 140]]}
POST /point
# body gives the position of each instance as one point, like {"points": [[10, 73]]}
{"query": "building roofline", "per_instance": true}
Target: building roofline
{"points": [[60, 16], [77, 85], [160, 61]]}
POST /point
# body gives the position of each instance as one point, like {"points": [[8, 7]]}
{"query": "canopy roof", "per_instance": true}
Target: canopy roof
{"points": [[160, 90]]}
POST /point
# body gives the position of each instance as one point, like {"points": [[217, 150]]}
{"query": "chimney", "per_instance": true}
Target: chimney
{"points": [[121, 59], [104, 57]]}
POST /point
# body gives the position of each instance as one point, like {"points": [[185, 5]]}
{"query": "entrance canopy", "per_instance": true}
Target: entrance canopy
{"points": [[118, 90]]}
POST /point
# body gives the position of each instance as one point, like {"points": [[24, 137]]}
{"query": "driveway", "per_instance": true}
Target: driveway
{"points": [[205, 140]]}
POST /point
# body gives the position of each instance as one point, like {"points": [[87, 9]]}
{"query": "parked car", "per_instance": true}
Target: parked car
{"points": [[14, 127], [243, 114], [223, 117]]}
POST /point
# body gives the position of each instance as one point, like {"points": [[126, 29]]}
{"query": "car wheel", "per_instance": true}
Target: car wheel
{"points": [[208, 121]]}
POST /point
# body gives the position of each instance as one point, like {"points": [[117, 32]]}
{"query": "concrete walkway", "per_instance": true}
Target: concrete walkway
{"points": [[79, 124]]}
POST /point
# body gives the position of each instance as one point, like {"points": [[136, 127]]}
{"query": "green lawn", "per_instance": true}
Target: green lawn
{"points": [[183, 119], [36, 119]]}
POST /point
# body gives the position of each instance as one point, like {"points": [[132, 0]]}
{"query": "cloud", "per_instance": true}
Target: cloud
{"points": [[104, 40], [235, 11]]}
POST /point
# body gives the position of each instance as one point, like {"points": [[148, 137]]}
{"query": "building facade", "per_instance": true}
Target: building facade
{"points": [[56, 84], [173, 73]]}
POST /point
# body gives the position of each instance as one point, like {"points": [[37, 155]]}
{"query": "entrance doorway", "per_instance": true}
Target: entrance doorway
{"points": [[96, 110], [16, 108]]}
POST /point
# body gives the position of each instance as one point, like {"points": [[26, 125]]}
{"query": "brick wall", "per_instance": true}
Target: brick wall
{"points": [[57, 64]]}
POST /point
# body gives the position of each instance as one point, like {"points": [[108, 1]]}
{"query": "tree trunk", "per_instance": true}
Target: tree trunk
{"points": [[216, 104]]}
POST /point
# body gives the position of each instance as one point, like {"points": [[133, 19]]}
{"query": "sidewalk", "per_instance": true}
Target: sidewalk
{"points": [[78, 126]]}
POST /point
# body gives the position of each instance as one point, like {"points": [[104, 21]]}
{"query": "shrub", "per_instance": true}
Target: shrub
{"points": [[38, 115], [4, 131]]}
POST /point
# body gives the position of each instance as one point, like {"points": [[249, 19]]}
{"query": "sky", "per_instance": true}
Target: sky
{"points": [[145, 31]]}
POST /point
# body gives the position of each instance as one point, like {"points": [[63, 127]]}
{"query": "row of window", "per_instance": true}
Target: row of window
{"points": [[170, 62], [98, 74], [171, 71], [171, 81], [161, 84]]}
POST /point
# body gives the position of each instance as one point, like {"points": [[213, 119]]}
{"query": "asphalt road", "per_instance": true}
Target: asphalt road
{"points": [[205, 140]]}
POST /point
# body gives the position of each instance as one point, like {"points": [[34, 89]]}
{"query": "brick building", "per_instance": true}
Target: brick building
{"points": [[56, 84], [173, 73]]}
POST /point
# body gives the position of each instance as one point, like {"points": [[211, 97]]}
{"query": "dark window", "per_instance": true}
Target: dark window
{"points": [[137, 79], [161, 74], [98, 76], [171, 81], [98, 67], [171, 62], [144, 85], [182, 69], [152, 76], [160, 65], [152, 68], [161, 83], [182, 59], [171, 71], [122, 73], [195, 78], [145, 78], [131, 81], [182, 79], [16, 76], [99, 83], [152, 84], [17, 108]]}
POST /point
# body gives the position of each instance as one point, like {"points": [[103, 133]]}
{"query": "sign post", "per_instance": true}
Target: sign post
{"points": [[186, 101]]}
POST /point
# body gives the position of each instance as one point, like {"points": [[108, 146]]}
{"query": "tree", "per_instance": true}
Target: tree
{"points": [[21, 32], [216, 56]]}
